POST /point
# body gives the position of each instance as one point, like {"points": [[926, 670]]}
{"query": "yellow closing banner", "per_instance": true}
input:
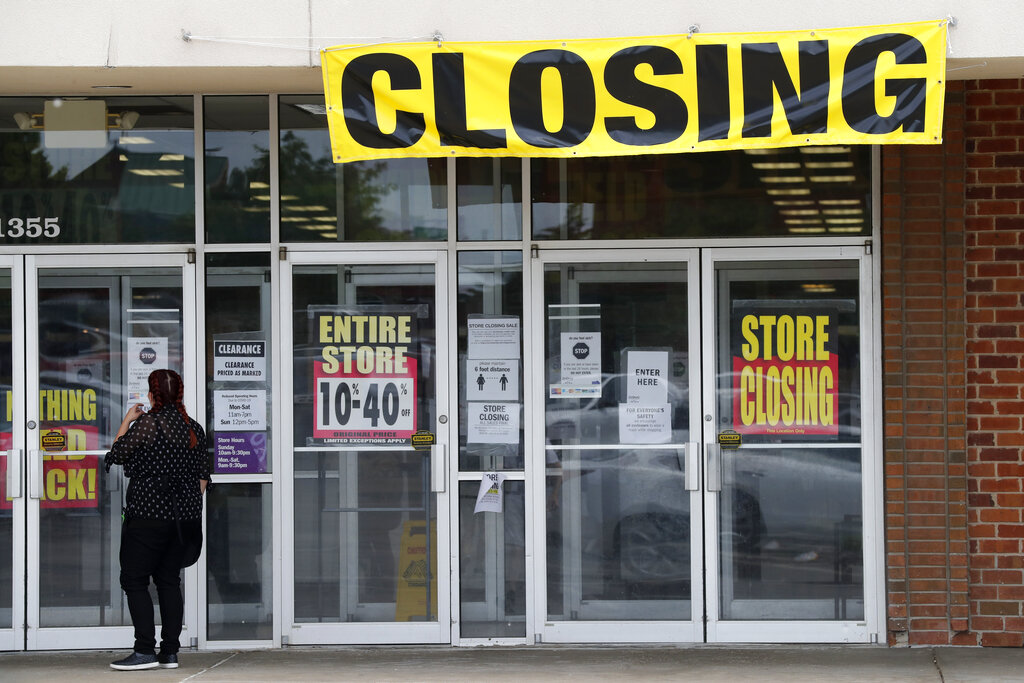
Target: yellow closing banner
{"points": [[652, 95]]}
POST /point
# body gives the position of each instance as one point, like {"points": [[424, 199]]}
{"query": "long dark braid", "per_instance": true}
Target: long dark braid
{"points": [[168, 389]]}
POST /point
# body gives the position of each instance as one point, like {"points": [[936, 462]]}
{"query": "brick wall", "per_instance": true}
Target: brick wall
{"points": [[923, 386], [995, 358], [953, 317]]}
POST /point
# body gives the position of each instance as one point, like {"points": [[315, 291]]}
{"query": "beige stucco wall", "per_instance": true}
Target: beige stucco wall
{"points": [[70, 46]]}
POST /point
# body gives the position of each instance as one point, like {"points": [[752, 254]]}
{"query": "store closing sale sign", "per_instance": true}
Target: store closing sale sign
{"points": [[364, 376], [785, 367], [651, 95]]}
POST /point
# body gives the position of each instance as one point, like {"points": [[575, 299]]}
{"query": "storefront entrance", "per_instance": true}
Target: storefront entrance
{"points": [[699, 461], [707, 466], [78, 337]]}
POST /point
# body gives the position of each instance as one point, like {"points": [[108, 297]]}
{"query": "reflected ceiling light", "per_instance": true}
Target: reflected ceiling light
{"points": [[783, 179], [308, 208], [257, 185], [122, 157], [843, 221], [156, 171], [828, 164], [172, 157], [775, 165], [760, 152], [289, 197], [134, 140], [789, 191], [180, 186], [792, 202], [794, 229], [799, 212], [261, 197], [293, 219], [843, 212], [849, 228], [840, 202], [833, 178], [818, 287], [837, 149], [803, 221]]}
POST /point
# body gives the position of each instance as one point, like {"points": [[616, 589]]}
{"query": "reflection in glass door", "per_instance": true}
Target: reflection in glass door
{"points": [[622, 507], [95, 334], [786, 450], [368, 544]]}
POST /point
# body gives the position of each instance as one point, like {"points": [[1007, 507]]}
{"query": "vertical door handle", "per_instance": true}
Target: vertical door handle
{"points": [[35, 474], [691, 465], [438, 467], [14, 460], [714, 467]]}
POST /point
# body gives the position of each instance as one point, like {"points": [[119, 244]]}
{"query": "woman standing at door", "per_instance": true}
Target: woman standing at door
{"points": [[163, 453]]}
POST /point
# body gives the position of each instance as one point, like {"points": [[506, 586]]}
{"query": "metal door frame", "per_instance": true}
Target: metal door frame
{"points": [[610, 631], [92, 637], [439, 631], [13, 638], [871, 628]]}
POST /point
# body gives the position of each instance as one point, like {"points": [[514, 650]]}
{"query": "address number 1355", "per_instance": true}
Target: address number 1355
{"points": [[36, 226]]}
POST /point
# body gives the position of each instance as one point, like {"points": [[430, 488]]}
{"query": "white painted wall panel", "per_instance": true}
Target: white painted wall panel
{"points": [[124, 34]]}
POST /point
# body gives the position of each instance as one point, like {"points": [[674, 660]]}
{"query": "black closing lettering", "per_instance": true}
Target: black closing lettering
{"points": [[859, 106], [579, 102], [670, 115], [450, 107], [712, 92], [765, 72], [361, 108]]}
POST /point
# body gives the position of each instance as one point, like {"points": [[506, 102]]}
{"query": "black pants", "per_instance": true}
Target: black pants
{"points": [[151, 548]]}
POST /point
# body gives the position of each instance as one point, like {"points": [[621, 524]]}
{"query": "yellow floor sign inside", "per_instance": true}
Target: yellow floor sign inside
{"points": [[415, 565]]}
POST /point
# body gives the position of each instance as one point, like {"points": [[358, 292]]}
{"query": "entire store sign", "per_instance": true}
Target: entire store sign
{"points": [[364, 375], [652, 95]]}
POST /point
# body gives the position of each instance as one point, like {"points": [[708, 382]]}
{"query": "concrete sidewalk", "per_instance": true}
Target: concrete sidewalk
{"points": [[707, 664]]}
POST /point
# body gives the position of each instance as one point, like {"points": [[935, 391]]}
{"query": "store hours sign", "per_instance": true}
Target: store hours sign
{"points": [[364, 376]]}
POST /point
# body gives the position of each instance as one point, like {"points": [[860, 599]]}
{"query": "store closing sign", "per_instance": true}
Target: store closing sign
{"points": [[667, 94], [786, 366]]}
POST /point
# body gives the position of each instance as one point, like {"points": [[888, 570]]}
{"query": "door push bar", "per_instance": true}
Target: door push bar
{"points": [[35, 474], [14, 463], [714, 470], [691, 465], [438, 467]]}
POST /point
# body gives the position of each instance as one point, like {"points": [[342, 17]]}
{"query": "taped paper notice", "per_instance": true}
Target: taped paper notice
{"points": [[488, 498]]}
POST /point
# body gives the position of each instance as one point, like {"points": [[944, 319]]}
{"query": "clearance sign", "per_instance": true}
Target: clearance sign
{"points": [[785, 368], [655, 95]]}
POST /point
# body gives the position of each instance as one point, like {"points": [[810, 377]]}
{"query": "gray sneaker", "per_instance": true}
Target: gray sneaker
{"points": [[168, 661], [135, 662]]}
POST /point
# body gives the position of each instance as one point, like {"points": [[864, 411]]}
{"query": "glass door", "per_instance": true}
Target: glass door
{"points": [[94, 331], [12, 456], [620, 381], [367, 461], [791, 469], [708, 474]]}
